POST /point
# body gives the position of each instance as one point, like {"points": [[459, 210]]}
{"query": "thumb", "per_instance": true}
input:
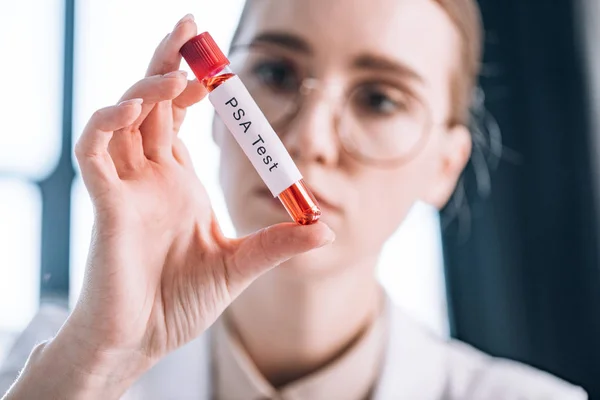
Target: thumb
{"points": [[257, 253]]}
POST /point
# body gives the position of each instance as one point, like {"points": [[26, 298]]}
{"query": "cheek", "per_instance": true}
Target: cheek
{"points": [[385, 198], [390, 195]]}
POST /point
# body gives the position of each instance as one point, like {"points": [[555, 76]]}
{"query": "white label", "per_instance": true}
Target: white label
{"points": [[250, 128]]}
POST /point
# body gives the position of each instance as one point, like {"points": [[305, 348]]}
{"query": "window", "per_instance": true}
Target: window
{"points": [[30, 142], [20, 214], [30, 145]]}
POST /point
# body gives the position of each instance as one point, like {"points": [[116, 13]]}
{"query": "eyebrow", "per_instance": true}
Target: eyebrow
{"points": [[287, 40], [365, 61], [383, 64]]}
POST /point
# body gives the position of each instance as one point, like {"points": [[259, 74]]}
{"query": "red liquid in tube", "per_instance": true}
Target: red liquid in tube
{"points": [[250, 128]]}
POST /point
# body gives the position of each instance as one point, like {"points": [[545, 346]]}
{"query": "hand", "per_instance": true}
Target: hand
{"points": [[159, 270]]}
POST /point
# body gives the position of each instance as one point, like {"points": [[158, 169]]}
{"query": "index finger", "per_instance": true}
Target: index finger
{"points": [[166, 58]]}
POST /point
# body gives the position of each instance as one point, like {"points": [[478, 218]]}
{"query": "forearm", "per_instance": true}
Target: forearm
{"points": [[63, 368]]}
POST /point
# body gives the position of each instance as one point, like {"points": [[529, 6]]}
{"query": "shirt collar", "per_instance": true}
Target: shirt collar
{"points": [[351, 376]]}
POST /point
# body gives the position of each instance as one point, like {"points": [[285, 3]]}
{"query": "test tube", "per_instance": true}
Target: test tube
{"points": [[247, 123]]}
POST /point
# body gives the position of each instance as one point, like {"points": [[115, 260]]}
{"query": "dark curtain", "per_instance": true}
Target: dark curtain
{"points": [[524, 283]]}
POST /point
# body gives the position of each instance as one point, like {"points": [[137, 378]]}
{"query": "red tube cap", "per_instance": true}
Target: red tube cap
{"points": [[204, 56]]}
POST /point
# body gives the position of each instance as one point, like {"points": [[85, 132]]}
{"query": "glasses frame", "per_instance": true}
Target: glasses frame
{"points": [[310, 84]]}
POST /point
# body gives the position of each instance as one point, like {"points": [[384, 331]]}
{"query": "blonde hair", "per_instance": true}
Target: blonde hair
{"points": [[466, 16]]}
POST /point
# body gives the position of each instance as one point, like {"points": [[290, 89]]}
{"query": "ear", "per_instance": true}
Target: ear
{"points": [[455, 151]]}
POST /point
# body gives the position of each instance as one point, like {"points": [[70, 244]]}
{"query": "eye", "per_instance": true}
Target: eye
{"points": [[378, 101], [277, 75]]}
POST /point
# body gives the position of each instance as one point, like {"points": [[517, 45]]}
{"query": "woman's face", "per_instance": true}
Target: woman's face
{"points": [[398, 45]]}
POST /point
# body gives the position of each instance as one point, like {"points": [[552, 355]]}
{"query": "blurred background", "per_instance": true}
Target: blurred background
{"points": [[516, 275]]}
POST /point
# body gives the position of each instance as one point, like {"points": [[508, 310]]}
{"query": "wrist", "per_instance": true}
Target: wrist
{"points": [[108, 372], [68, 368]]}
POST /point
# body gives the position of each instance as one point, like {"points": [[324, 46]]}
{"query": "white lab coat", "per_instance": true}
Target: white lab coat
{"points": [[417, 366]]}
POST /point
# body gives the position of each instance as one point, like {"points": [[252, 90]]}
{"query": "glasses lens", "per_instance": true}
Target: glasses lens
{"points": [[272, 78], [383, 123]]}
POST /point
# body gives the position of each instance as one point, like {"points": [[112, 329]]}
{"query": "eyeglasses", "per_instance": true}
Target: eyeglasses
{"points": [[377, 122]]}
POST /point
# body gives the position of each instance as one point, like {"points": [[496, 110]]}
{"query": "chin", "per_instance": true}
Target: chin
{"points": [[316, 264]]}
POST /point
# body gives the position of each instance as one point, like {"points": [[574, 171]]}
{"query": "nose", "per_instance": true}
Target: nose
{"points": [[311, 135]]}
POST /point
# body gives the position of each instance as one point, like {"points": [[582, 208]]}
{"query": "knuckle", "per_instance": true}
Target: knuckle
{"points": [[139, 88], [82, 152], [127, 168], [265, 246], [84, 148], [97, 116], [172, 87], [79, 149], [164, 65]]}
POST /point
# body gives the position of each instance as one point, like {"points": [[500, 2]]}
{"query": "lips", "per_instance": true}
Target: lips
{"points": [[323, 201]]}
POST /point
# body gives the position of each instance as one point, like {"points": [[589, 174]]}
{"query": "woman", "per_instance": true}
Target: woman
{"points": [[371, 98]]}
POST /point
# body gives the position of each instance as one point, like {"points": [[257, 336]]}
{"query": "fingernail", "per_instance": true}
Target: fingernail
{"points": [[186, 18], [176, 73], [330, 237], [132, 101]]}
